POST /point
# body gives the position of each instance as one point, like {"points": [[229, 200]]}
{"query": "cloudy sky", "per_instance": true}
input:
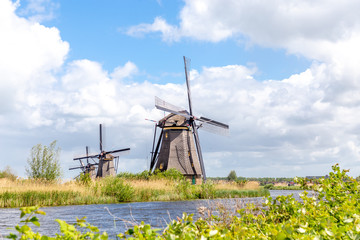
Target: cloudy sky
{"points": [[284, 74]]}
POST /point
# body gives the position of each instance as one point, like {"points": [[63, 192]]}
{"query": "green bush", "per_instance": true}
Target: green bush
{"points": [[171, 174], [84, 179], [206, 190], [115, 187], [232, 176], [186, 189], [269, 186]]}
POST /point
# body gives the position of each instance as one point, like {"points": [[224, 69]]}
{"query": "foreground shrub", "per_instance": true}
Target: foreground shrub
{"points": [[116, 187]]}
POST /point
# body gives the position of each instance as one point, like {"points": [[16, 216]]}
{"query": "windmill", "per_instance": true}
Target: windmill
{"points": [[178, 144], [103, 164]]}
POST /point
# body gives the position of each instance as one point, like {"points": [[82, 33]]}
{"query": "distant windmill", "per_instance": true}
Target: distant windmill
{"points": [[178, 145], [103, 164]]}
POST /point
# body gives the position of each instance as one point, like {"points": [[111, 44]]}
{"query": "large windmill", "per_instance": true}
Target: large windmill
{"points": [[178, 145], [102, 164]]}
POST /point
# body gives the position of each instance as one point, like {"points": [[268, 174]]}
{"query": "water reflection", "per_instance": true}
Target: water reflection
{"points": [[116, 218]]}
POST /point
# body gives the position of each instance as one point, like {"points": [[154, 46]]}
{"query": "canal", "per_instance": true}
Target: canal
{"points": [[116, 218]]}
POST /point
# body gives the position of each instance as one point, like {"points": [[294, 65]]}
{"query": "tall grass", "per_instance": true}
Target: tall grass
{"points": [[19, 193]]}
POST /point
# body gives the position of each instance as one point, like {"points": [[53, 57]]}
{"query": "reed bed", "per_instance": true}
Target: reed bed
{"points": [[21, 193], [38, 185], [154, 190]]}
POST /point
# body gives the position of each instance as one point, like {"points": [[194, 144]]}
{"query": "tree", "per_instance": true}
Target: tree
{"points": [[44, 162], [8, 173], [232, 176]]}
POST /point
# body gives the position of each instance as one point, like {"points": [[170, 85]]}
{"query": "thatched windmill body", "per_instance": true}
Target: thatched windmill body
{"points": [[102, 164], [178, 144]]}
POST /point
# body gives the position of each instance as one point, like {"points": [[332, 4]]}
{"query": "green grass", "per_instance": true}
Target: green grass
{"points": [[141, 187], [50, 198]]}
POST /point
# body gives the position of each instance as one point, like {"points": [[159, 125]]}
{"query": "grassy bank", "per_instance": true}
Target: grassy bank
{"points": [[332, 213], [19, 193]]}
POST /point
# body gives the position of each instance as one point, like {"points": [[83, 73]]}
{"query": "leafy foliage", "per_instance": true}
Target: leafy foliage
{"points": [[84, 179], [44, 162], [170, 174], [115, 187], [232, 176]]}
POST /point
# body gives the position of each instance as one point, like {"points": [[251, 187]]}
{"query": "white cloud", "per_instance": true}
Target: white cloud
{"points": [[37, 10], [302, 27], [30, 55], [300, 123], [125, 72], [169, 33]]}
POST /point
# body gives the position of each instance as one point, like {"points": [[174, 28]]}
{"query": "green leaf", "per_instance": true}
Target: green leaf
{"points": [[40, 212]]}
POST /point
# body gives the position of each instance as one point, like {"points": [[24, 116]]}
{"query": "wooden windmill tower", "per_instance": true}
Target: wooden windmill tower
{"points": [[103, 164], [178, 145]]}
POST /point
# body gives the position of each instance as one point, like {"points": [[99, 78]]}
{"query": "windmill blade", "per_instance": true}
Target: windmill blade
{"points": [[100, 135], [198, 149], [155, 154], [82, 167], [213, 126], [153, 145], [168, 107], [87, 154], [85, 157], [114, 152], [118, 152], [187, 76]]}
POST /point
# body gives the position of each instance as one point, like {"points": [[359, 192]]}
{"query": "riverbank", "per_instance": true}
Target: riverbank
{"points": [[280, 217], [20, 193]]}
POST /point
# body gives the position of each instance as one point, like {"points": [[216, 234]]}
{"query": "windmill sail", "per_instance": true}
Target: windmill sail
{"points": [[168, 107], [213, 126]]}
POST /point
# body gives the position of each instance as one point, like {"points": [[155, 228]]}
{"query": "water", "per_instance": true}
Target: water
{"points": [[116, 218]]}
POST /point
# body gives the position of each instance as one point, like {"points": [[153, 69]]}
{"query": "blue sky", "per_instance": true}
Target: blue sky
{"points": [[97, 31], [282, 74]]}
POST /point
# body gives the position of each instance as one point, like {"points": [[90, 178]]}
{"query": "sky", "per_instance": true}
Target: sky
{"points": [[283, 74]]}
